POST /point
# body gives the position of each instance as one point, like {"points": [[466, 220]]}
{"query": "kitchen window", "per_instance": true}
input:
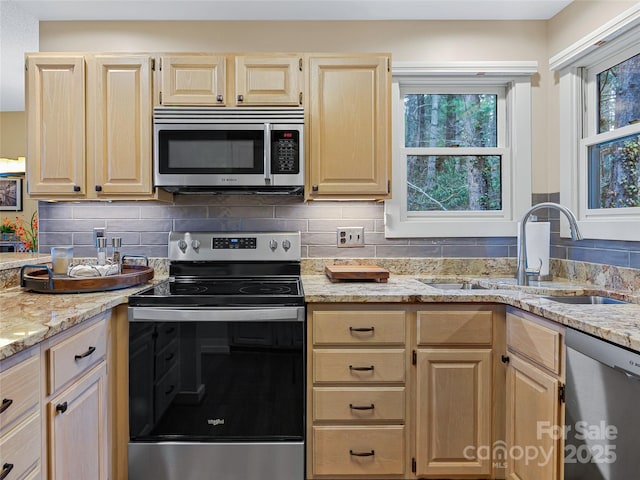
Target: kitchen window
{"points": [[600, 129], [456, 169]]}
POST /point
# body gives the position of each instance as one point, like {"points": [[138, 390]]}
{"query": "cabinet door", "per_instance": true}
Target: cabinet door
{"points": [[268, 80], [119, 125], [350, 127], [193, 80], [453, 418], [55, 125], [77, 429], [532, 420]]}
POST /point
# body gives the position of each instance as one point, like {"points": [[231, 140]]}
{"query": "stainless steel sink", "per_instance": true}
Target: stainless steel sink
{"points": [[453, 285], [584, 299]]}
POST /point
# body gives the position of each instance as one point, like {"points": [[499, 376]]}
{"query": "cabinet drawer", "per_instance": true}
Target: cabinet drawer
{"points": [[455, 328], [20, 447], [335, 450], [355, 328], [358, 366], [372, 404], [75, 355], [20, 390], [540, 344]]}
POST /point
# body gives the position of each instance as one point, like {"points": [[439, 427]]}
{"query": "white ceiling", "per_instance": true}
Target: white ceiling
{"points": [[291, 9]]}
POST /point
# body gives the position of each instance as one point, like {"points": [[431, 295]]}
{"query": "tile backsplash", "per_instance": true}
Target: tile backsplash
{"points": [[145, 226]]}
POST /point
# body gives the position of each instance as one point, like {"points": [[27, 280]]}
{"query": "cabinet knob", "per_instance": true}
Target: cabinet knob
{"points": [[6, 403], [240, 98], [6, 469], [314, 188], [76, 188], [504, 358], [61, 407], [89, 351], [98, 188], [219, 98], [362, 454]]}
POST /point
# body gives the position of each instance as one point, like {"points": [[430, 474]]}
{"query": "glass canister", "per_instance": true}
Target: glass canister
{"points": [[61, 258]]}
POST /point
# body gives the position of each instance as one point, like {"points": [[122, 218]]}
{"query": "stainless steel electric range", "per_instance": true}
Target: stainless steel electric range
{"points": [[217, 361]]}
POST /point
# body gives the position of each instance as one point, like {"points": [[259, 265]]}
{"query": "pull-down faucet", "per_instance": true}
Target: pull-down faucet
{"points": [[521, 273]]}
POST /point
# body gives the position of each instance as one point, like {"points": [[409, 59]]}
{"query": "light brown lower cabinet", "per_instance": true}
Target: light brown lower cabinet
{"points": [[20, 424], [535, 404], [76, 402], [77, 429], [404, 391], [453, 411]]}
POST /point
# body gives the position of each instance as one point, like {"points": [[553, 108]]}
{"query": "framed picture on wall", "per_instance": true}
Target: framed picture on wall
{"points": [[11, 194]]}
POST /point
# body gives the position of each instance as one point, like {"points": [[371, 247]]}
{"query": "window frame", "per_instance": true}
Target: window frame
{"points": [[513, 81], [578, 67]]}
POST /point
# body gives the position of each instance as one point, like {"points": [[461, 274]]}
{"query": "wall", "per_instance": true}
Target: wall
{"points": [[145, 226], [13, 144], [573, 23]]}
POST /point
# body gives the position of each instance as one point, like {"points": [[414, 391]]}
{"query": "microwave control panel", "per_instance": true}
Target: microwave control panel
{"points": [[285, 152]]}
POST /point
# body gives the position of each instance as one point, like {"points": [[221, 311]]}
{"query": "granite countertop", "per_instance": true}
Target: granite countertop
{"points": [[12, 260], [618, 323], [28, 318]]}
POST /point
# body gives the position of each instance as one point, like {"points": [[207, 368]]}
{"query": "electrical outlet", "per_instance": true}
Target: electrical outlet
{"points": [[349, 237], [98, 232]]}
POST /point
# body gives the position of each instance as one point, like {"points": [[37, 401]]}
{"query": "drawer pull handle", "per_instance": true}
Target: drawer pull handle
{"points": [[169, 357], [6, 469], [362, 454], [361, 329], [85, 354], [6, 403], [362, 407], [171, 389], [62, 407], [362, 369]]}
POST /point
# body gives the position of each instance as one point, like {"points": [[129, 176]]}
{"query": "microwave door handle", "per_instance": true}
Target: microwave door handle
{"points": [[267, 154]]}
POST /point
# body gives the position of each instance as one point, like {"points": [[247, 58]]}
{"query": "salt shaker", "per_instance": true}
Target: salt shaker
{"points": [[116, 243], [101, 246]]}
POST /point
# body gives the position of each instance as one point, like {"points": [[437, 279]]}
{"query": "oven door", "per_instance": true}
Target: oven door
{"points": [[213, 388], [215, 154]]}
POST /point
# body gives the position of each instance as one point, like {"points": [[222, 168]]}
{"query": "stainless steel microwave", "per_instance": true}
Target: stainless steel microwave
{"points": [[227, 149]]}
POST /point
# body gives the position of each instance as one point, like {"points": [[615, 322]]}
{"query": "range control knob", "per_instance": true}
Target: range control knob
{"points": [[195, 244], [273, 244], [286, 244], [182, 245]]}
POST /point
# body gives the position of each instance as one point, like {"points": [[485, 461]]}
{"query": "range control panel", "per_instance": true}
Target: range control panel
{"points": [[235, 243], [228, 246]]}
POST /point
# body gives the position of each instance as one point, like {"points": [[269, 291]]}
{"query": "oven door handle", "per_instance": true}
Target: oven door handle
{"points": [[276, 314]]}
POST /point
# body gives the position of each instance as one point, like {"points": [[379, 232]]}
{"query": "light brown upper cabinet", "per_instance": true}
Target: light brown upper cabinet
{"points": [[193, 80], [89, 127], [268, 80], [349, 127], [231, 80], [55, 125]]}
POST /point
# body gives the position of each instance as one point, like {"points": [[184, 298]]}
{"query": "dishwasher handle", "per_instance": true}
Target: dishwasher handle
{"points": [[630, 375]]}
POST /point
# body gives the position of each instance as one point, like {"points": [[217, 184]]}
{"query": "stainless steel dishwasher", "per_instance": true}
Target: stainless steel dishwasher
{"points": [[602, 418]]}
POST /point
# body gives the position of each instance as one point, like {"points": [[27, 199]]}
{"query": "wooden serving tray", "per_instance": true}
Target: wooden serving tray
{"points": [[337, 273], [43, 280]]}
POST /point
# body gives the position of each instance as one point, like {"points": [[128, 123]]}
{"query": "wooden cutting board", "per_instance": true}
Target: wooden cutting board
{"points": [[337, 273]]}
